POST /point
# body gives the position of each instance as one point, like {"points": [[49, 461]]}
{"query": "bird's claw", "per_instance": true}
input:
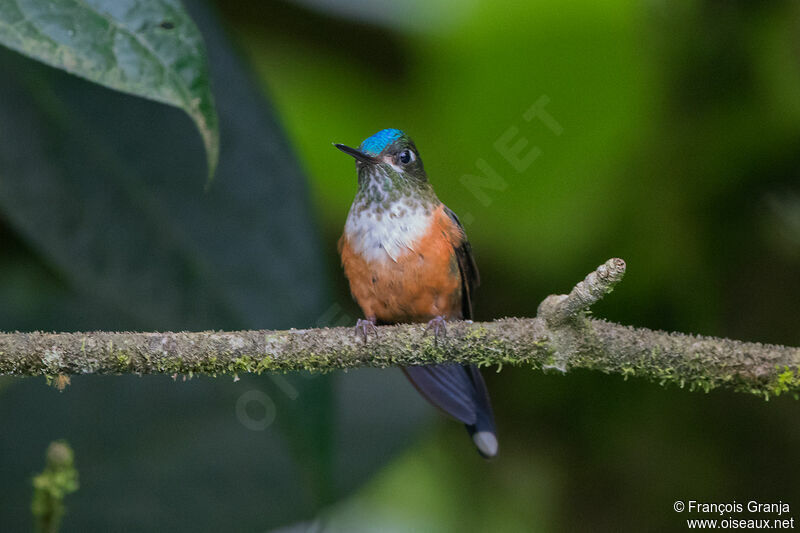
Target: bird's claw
{"points": [[364, 327], [439, 326]]}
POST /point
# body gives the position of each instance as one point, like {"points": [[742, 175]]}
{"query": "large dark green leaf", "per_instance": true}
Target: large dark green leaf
{"points": [[114, 232], [150, 48]]}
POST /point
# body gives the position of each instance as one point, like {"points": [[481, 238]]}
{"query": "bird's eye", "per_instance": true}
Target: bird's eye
{"points": [[405, 157]]}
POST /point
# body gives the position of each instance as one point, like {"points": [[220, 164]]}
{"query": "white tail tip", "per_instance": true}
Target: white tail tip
{"points": [[486, 443]]}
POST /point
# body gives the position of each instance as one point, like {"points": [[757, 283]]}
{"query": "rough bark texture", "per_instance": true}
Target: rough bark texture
{"points": [[560, 337]]}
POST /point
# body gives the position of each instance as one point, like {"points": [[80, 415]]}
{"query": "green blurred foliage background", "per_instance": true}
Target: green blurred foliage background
{"points": [[678, 152]]}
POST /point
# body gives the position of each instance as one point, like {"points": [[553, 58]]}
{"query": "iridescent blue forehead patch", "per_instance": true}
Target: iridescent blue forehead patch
{"points": [[378, 142]]}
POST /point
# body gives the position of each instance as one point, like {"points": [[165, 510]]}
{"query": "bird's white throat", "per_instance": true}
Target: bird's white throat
{"points": [[387, 235]]}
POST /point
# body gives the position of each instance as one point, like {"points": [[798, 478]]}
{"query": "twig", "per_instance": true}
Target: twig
{"points": [[561, 336]]}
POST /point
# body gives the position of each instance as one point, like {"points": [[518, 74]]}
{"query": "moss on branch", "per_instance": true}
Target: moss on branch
{"points": [[560, 336]]}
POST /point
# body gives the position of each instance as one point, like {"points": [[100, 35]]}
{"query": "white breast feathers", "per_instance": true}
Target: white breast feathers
{"points": [[388, 235]]}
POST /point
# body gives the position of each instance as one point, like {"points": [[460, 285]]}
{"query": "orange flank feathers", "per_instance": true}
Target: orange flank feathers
{"points": [[422, 283]]}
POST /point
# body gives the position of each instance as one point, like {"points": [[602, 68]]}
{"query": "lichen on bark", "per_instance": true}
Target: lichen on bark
{"points": [[561, 336]]}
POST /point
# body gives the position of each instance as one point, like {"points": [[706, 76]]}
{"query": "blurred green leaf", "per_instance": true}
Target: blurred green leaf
{"points": [[105, 187], [115, 233], [149, 48], [58, 479]]}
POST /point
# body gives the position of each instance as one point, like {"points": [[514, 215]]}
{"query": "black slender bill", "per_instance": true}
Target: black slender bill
{"points": [[359, 155]]}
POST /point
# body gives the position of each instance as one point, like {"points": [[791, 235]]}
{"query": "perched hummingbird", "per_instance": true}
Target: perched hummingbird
{"points": [[407, 259]]}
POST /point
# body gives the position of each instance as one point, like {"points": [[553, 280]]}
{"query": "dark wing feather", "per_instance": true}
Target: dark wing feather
{"points": [[455, 389], [470, 278]]}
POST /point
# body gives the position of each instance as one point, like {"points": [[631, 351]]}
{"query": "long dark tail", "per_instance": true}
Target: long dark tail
{"points": [[460, 392]]}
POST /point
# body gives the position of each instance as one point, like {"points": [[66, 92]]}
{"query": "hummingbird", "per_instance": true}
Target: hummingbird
{"points": [[407, 260]]}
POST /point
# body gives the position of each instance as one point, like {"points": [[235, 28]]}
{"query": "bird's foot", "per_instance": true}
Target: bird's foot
{"points": [[364, 327], [439, 326]]}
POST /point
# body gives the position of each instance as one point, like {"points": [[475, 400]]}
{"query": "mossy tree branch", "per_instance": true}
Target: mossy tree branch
{"points": [[561, 336]]}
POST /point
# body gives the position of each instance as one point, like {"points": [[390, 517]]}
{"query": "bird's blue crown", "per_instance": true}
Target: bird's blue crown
{"points": [[377, 143]]}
